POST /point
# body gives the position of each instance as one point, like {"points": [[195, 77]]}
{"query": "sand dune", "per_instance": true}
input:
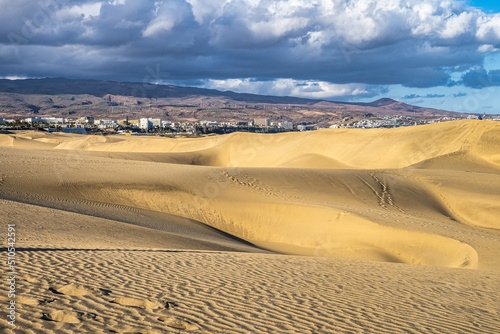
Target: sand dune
{"points": [[348, 148], [156, 221]]}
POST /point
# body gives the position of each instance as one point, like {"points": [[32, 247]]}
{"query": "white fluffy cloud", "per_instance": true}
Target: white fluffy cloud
{"points": [[488, 29], [84, 11], [290, 87]]}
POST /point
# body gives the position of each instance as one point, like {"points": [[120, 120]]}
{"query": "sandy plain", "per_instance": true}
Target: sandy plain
{"points": [[331, 231]]}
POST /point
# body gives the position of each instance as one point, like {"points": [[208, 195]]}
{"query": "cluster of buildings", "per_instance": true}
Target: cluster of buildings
{"points": [[157, 125], [34, 120], [386, 122], [149, 124], [399, 121]]}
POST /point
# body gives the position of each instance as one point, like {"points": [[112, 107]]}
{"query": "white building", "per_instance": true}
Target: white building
{"points": [[156, 122], [209, 123], [286, 125], [306, 127], [144, 123], [262, 122], [106, 124], [34, 120], [48, 120], [149, 123], [55, 120]]}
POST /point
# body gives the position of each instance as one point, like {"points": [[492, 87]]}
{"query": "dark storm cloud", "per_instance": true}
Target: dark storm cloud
{"points": [[368, 42], [434, 96], [480, 78]]}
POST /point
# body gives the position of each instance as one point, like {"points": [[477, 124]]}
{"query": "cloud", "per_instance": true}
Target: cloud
{"points": [[478, 78], [488, 28], [14, 78], [428, 96], [85, 11], [487, 48], [167, 16], [206, 10], [411, 96], [299, 88], [330, 47]]}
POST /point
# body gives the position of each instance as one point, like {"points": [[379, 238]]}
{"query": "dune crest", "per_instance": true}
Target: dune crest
{"points": [[330, 148]]}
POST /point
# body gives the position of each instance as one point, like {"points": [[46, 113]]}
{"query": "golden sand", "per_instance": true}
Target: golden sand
{"points": [[331, 231]]}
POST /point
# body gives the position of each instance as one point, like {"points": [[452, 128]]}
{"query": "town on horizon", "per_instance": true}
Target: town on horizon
{"points": [[133, 108], [157, 126]]}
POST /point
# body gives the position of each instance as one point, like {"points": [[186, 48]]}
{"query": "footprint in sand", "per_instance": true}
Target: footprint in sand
{"points": [[145, 304], [70, 290], [178, 324], [170, 304], [87, 315], [47, 301], [61, 316], [105, 292]]}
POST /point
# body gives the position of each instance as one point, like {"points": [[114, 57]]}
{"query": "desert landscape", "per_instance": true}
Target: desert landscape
{"points": [[329, 231]]}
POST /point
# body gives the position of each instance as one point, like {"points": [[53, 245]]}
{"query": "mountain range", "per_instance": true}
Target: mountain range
{"points": [[62, 97]]}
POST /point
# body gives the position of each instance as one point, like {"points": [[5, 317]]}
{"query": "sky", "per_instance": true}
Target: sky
{"points": [[442, 54], [488, 6]]}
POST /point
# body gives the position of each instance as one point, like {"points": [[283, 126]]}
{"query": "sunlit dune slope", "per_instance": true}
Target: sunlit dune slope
{"points": [[336, 148]]}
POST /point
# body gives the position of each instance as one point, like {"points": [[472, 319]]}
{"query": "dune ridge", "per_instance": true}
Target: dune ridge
{"points": [[353, 148]]}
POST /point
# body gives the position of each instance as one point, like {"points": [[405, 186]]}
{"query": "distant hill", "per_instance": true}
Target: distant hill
{"points": [[58, 86], [107, 99]]}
